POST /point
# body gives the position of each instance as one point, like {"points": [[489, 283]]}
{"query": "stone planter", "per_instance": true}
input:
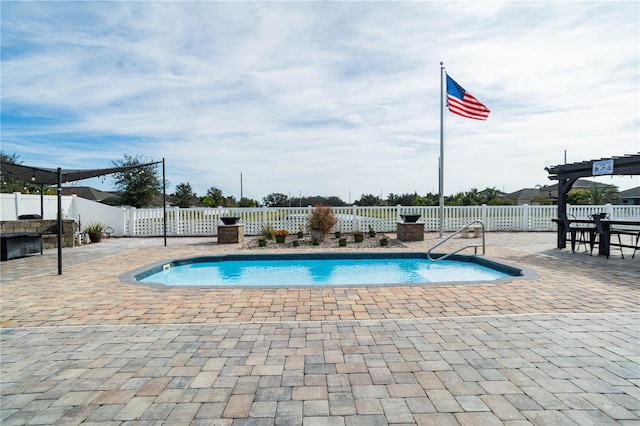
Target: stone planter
{"points": [[280, 239], [410, 231], [230, 234]]}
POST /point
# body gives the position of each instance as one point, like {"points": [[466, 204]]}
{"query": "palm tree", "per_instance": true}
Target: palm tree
{"points": [[602, 194], [491, 196]]}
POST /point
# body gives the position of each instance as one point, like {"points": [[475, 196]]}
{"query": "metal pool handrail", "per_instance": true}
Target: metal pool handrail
{"points": [[464, 228]]}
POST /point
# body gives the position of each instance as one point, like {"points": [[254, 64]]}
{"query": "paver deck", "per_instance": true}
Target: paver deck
{"points": [[86, 348]]}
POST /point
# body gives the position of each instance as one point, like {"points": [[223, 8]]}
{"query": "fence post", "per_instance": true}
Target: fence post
{"points": [[73, 207], [484, 214], [354, 222], [132, 221], [609, 209], [264, 216], [16, 203], [525, 218]]}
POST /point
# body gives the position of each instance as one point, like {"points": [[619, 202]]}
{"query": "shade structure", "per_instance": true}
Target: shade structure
{"points": [[51, 177], [568, 174]]}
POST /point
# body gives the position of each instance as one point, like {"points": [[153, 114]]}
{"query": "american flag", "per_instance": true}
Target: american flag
{"points": [[462, 103]]}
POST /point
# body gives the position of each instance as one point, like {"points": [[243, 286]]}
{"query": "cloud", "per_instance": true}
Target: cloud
{"points": [[330, 98]]}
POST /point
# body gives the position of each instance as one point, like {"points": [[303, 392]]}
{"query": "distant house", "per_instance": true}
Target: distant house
{"points": [[527, 195], [88, 193], [524, 196], [630, 196], [107, 197]]}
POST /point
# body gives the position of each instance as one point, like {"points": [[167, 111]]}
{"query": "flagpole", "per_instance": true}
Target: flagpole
{"points": [[441, 165]]}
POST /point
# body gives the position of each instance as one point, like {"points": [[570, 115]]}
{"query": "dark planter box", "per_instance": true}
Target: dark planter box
{"points": [[230, 220], [410, 218]]}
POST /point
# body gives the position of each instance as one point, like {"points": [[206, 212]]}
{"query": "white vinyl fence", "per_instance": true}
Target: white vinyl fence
{"points": [[200, 221]]}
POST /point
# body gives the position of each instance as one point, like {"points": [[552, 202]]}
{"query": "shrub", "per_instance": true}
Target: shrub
{"points": [[322, 219], [281, 233], [268, 232]]}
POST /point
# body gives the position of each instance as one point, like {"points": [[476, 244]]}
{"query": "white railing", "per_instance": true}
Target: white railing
{"points": [[204, 221]]}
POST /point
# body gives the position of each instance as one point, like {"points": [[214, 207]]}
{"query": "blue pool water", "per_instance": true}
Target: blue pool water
{"points": [[321, 272]]}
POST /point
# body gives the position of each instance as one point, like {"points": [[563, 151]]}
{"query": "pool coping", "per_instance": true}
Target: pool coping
{"points": [[516, 273]]}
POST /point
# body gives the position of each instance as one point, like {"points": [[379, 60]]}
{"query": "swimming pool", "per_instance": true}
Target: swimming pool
{"points": [[327, 269]]}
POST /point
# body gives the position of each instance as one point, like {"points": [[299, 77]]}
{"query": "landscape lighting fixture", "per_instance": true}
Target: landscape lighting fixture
{"points": [[33, 176]]}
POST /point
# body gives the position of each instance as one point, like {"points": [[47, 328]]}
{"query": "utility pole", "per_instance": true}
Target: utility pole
{"points": [[241, 197]]}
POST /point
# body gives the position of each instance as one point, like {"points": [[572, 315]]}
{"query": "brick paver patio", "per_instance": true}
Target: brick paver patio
{"points": [[86, 348]]}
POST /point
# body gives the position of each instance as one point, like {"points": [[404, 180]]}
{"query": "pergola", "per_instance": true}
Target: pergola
{"points": [[55, 177], [568, 174]]}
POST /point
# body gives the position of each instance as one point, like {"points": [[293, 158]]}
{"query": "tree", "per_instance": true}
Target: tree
{"points": [[491, 196], [473, 197], [139, 185], [9, 185], [184, 195], [276, 200], [428, 200], [404, 199], [214, 198], [595, 194], [247, 202], [369, 200], [455, 199]]}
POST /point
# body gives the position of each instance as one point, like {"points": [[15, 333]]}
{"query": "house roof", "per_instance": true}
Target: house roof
{"points": [[88, 193], [524, 194], [631, 193], [579, 184]]}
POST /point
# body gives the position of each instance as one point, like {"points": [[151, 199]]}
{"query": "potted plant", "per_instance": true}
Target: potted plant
{"points": [[342, 242], [95, 230], [321, 220], [262, 242], [384, 241], [338, 234], [372, 232], [281, 235], [296, 243], [300, 233], [268, 232], [358, 236]]}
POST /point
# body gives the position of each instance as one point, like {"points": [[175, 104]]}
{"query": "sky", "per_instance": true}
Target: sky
{"points": [[321, 98]]}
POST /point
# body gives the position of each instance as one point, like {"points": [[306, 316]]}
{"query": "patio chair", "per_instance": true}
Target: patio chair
{"points": [[607, 233], [578, 234]]}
